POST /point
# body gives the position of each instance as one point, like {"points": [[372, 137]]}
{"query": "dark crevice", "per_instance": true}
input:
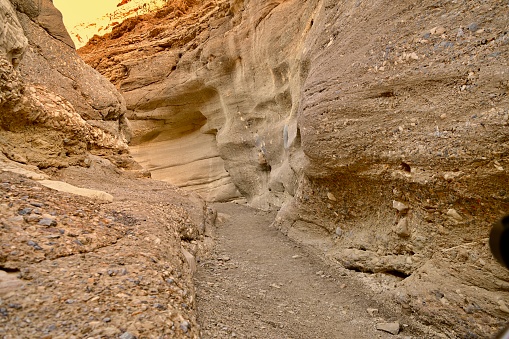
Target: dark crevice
{"points": [[405, 167], [387, 94], [357, 269], [397, 274], [9, 270]]}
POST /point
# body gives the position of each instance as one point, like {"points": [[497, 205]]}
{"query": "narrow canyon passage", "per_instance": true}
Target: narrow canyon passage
{"points": [[260, 284]]}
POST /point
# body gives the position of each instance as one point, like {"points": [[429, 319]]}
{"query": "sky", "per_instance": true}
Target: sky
{"points": [[86, 18], [76, 11]]}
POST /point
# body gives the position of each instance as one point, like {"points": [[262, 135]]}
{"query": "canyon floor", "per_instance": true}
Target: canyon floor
{"points": [[260, 284]]}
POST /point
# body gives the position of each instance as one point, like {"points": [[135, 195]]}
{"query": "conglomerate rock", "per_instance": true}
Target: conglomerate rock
{"points": [[73, 267], [337, 114]]}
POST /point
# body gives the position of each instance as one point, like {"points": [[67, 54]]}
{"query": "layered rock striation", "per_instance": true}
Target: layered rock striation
{"points": [[378, 130]]}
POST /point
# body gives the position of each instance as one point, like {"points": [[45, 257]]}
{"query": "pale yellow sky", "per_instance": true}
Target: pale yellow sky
{"points": [[78, 11], [84, 19]]}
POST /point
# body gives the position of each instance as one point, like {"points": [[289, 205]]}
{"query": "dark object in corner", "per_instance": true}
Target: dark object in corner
{"points": [[499, 241], [499, 245]]}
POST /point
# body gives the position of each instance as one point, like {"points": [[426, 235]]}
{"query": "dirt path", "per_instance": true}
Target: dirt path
{"points": [[260, 284]]}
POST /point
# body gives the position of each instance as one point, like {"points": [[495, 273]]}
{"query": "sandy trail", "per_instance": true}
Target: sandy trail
{"points": [[260, 284]]}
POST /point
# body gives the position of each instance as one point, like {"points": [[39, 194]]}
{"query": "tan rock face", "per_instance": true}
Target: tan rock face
{"points": [[42, 128], [366, 102], [55, 65], [50, 19], [43, 104], [216, 94]]}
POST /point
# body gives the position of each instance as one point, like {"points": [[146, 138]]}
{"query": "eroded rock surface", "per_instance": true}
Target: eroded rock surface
{"points": [[12, 40], [331, 111], [48, 94], [79, 267], [51, 61]]}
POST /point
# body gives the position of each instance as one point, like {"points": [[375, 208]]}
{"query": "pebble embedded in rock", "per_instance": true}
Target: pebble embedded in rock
{"points": [[454, 214], [184, 326], [25, 211], [392, 328], [35, 245], [503, 307], [47, 222], [331, 196], [401, 207], [402, 228], [372, 311], [471, 308], [473, 27], [33, 218], [339, 231], [128, 335], [17, 220], [439, 30], [160, 307]]}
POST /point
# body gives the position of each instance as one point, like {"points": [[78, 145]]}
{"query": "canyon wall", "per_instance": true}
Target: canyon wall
{"points": [[379, 130], [54, 109], [56, 248]]}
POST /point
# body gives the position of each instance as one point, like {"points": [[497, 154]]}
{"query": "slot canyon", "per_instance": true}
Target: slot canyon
{"points": [[254, 169]]}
